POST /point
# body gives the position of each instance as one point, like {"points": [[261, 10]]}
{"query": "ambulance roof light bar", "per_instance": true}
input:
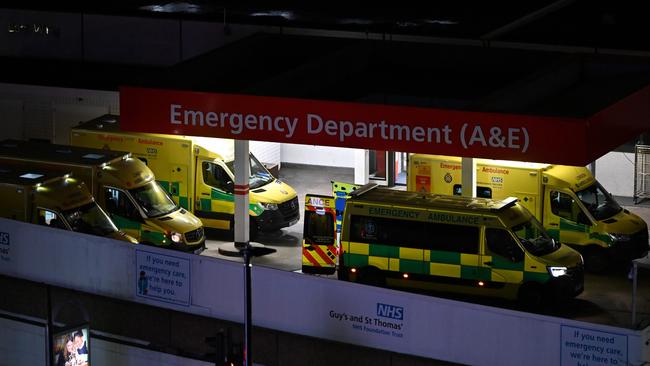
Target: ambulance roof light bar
{"points": [[363, 189]]}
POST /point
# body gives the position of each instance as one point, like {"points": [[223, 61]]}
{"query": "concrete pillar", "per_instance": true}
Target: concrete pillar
{"points": [[361, 166], [242, 175], [468, 179]]}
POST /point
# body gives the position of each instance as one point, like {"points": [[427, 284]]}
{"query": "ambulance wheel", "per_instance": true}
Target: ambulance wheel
{"points": [[531, 295], [371, 276], [596, 259]]}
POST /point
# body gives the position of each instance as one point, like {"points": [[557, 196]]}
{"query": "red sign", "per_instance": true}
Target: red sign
{"points": [[367, 126]]}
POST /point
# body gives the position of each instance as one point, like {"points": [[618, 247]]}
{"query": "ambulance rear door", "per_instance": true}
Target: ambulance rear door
{"points": [[319, 244]]}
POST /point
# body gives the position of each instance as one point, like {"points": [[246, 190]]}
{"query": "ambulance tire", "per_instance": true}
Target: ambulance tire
{"points": [[596, 259], [371, 276], [531, 295]]}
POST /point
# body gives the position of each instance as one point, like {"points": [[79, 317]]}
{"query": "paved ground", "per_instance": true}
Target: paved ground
{"points": [[606, 299]]}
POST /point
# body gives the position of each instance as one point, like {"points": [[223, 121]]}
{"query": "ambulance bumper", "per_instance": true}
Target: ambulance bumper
{"points": [[635, 247], [287, 214], [567, 286]]}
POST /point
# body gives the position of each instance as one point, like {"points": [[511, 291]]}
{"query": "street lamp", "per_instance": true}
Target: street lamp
{"points": [[247, 250]]}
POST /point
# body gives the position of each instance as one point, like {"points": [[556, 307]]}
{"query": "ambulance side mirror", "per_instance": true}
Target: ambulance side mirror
{"points": [[230, 186]]}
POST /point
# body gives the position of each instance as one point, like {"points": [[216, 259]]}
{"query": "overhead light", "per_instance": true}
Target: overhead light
{"points": [[440, 21], [288, 15], [93, 156], [31, 175], [175, 7], [355, 21]]}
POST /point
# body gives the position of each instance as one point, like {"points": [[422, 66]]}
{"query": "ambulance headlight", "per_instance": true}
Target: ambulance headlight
{"points": [[269, 206], [619, 237], [556, 271], [176, 237]]}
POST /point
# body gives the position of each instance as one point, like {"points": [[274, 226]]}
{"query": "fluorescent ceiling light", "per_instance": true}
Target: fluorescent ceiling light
{"points": [[31, 176]]}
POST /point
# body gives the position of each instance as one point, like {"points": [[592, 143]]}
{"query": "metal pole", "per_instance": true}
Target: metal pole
{"points": [[248, 320], [468, 177], [48, 327], [634, 272]]}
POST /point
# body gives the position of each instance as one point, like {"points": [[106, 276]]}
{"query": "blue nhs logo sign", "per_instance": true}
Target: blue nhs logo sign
{"points": [[390, 311]]}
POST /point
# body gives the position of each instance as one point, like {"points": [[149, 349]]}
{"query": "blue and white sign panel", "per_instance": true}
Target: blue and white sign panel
{"points": [[313, 306], [5, 246], [163, 277], [582, 346]]}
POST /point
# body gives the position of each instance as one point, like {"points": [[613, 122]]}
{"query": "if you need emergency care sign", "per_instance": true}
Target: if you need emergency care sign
{"points": [[162, 277], [368, 126]]}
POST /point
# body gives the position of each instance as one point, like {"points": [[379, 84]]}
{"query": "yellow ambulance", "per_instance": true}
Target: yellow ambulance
{"points": [[319, 243], [199, 174], [454, 244], [573, 207], [55, 199], [122, 185]]}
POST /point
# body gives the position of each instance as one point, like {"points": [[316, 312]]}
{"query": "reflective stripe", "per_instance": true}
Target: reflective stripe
{"points": [[323, 256], [241, 189], [310, 259], [443, 269]]}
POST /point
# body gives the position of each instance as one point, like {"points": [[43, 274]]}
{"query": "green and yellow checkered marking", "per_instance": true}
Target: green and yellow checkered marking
{"points": [[441, 263], [174, 189], [206, 204]]}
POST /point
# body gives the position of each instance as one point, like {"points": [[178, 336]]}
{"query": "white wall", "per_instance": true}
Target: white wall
{"points": [[266, 152], [318, 155], [615, 171], [309, 305]]}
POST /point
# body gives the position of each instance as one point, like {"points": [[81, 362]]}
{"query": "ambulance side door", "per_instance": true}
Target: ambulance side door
{"points": [[502, 258], [214, 198], [564, 218], [123, 212]]}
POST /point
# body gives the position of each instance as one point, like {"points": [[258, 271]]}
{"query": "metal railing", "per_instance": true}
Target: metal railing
{"points": [[641, 173]]}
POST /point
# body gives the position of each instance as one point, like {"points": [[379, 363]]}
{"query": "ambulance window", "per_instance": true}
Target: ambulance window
{"points": [[399, 233], [118, 203], [501, 243], [564, 206], [454, 238], [50, 218], [481, 192], [415, 234], [216, 176], [319, 228]]}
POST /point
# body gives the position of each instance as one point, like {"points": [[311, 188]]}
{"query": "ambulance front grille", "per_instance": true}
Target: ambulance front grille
{"points": [[577, 273], [289, 208], [194, 235]]}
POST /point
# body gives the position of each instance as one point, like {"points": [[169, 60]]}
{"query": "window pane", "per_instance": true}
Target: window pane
{"points": [[415, 234], [319, 228], [501, 243], [564, 206], [481, 192]]}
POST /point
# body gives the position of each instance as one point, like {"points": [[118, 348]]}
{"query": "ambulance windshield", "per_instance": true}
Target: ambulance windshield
{"points": [[89, 219], [259, 176], [532, 235], [153, 199], [598, 201]]}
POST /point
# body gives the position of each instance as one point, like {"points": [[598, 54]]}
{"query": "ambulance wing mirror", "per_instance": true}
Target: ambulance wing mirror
{"points": [[230, 186]]}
